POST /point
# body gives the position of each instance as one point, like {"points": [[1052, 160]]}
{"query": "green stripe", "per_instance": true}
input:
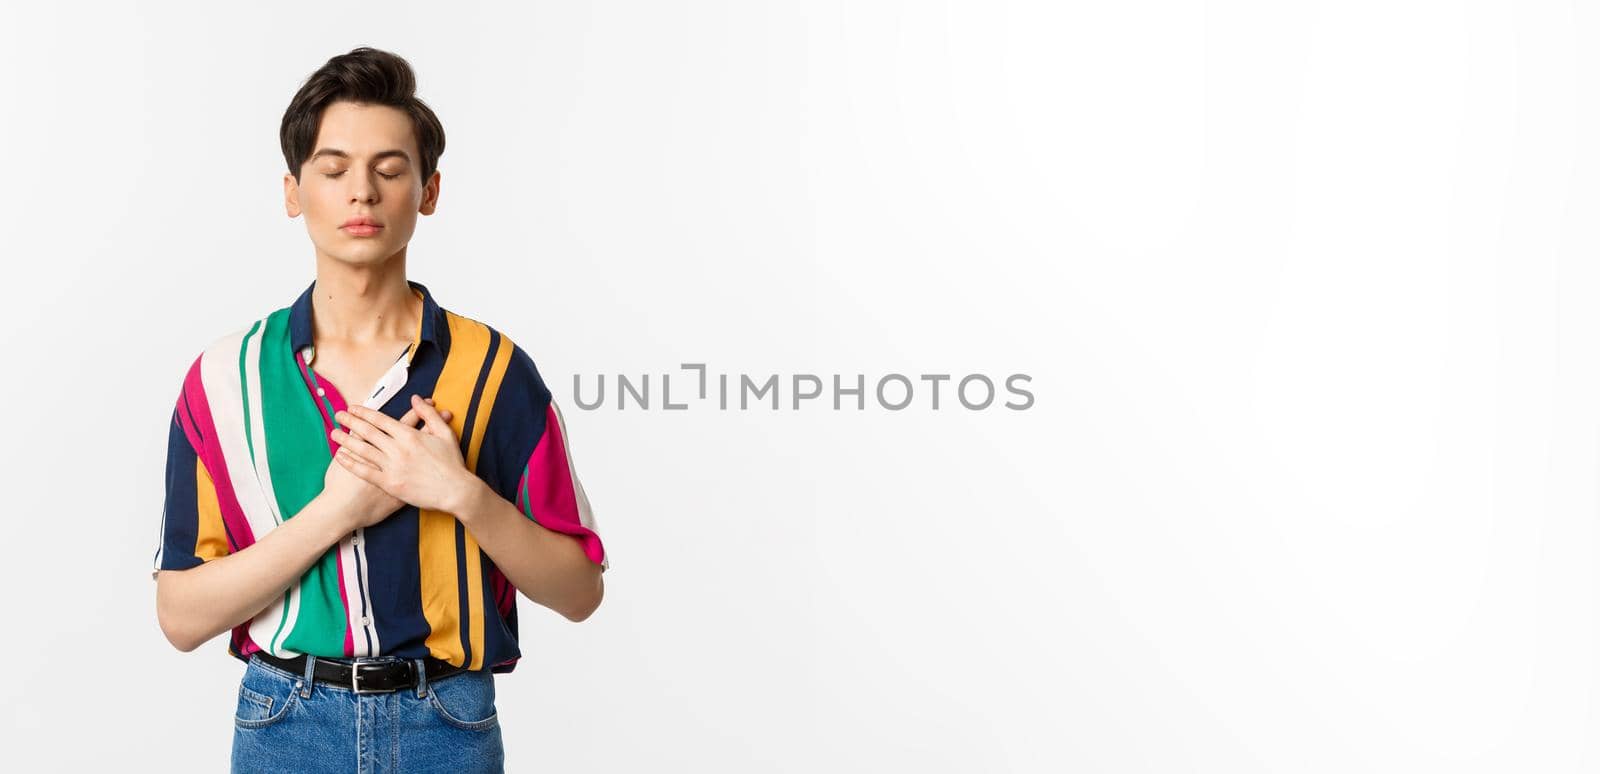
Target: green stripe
{"points": [[298, 456], [249, 422], [527, 500], [244, 388]]}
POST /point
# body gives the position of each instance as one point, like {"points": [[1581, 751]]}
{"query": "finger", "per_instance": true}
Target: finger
{"points": [[410, 418], [360, 468], [432, 419], [346, 452], [378, 419], [356, 422], [359, 447]]}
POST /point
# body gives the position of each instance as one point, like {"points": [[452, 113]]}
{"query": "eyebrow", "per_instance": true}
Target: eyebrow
{"points": [[383, 154]]}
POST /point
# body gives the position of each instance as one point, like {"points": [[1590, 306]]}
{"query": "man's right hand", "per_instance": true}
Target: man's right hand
{"points": [[360, 503]]}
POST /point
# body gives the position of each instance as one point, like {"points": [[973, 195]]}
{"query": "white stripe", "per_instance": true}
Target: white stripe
{"points": [[161, 537], [257, 422], [219, 373], [585, 513], [352, 588], [161, 543], [359, 591], [366, 595]]}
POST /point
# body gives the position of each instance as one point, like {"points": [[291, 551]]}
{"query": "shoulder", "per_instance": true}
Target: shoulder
{"points": [[502, 355], [513, 392], [218, 356], [228, 344], [219, 348]]}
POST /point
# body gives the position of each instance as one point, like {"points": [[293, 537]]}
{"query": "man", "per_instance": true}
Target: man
{"points": [[365, 565]]}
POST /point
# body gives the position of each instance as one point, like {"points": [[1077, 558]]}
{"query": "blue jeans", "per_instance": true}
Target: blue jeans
{"points": [[287, 722]]}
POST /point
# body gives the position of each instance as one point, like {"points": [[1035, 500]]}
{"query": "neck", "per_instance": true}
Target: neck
{"points": [[361, 305]]}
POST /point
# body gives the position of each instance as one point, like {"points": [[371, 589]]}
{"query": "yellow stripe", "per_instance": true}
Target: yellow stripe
{"points": [[441, 603], [211, 542]]}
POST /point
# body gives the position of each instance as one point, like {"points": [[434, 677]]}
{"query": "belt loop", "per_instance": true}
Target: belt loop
{"points": [[422, 678], [311, 670]]}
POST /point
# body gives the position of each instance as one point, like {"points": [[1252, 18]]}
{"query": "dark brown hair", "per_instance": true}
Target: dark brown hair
{"points": [[365, 75]]}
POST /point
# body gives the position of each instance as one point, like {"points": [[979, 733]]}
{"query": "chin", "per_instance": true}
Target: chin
{"points": [[368, 255]]}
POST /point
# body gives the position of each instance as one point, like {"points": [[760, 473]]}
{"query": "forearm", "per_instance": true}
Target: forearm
{"points": [[201, 602], [548, 567]]}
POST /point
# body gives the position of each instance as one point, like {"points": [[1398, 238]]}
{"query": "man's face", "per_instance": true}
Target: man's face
{"points": [[364, 164]]}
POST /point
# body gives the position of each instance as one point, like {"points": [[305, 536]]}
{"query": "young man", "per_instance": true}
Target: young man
{"points": [[360, 482]]}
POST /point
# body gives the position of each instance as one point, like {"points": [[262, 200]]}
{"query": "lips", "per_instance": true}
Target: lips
{"points": [[361, 227]]}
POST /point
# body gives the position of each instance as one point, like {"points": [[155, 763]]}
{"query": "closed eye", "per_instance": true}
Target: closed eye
{"points": [[340, 172]]}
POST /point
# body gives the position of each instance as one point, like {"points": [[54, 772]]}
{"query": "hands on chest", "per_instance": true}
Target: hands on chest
{"points": [[384, 463]]}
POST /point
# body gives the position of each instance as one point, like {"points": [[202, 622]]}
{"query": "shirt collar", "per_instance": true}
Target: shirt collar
{"points": [[300, 328]]}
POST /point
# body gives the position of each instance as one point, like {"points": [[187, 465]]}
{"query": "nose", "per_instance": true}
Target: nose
{"points": [[364, 190]]}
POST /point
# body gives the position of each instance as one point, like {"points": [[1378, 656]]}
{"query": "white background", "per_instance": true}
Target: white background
{"points": [[1306, 290]]}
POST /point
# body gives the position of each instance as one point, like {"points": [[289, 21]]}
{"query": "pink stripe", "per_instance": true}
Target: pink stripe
{"points": [[194, 395], [498, 582], [334, 399], [344, 599], [250, 645], [547, 479]]}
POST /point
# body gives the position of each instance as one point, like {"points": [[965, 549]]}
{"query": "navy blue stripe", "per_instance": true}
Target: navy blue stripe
{"points": [[461, 545], [515, 427], [477, 397], [393, 575], [461, 594], [181, 509]]}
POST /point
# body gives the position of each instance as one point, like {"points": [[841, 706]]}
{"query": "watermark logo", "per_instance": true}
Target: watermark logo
{"points": [[893, 391]]}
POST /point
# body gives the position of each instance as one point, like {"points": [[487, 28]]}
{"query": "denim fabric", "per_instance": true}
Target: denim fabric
{"points": [[286, 722]]}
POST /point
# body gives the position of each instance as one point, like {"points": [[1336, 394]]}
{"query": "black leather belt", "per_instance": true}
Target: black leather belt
{"points": [[362, 676]]}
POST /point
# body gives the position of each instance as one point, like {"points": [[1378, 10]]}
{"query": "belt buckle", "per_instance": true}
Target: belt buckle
{"points": [[355, 678]]}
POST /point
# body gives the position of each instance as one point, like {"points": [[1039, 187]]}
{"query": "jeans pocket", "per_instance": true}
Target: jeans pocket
{"points": [[265, 697], [465, 700]]}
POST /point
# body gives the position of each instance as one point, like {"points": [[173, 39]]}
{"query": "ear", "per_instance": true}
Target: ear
{"points": [[291, 195], [430, 194]]}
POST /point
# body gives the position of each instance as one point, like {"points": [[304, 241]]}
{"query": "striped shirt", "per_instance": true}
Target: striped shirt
{"points": [[249, 445]]}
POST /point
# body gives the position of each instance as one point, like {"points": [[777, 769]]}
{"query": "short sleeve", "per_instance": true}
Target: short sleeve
{"points": [[192, 530], [539, 462]]}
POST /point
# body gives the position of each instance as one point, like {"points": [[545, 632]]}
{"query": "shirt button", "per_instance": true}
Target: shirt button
{"points": [[321, 392], [366, 621]]}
